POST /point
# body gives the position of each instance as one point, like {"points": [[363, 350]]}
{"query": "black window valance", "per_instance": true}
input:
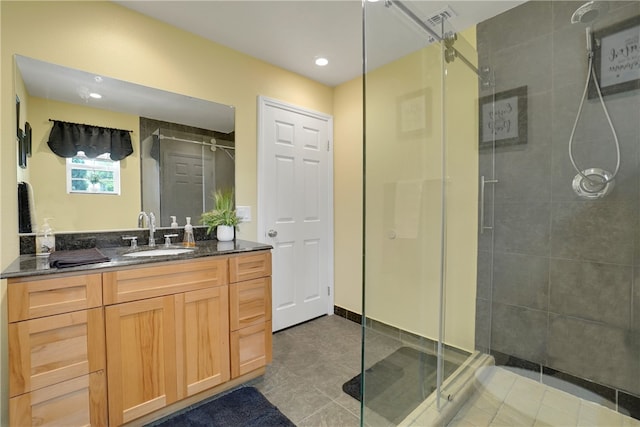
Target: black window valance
{"points": [[66, 139]]}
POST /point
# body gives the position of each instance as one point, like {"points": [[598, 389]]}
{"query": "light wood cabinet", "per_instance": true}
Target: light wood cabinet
{"points": [[250, 348], [81, 401], [56, 351], [249, 266], [31, 298], [164, 349], [49, 350], [174, 277], [203, 338], [250, 303], [128, 345], [141, 357], [250, 312]]}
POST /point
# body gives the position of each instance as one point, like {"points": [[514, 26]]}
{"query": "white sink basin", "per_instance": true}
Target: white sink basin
{"points": [[159, 252]]}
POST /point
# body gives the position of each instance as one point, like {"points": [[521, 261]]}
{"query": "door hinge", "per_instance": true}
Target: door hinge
{"points": [[329, 290], [328, 147]]}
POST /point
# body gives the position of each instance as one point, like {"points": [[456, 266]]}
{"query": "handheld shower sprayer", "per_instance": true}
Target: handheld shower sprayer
{"points": [[592, 183]]}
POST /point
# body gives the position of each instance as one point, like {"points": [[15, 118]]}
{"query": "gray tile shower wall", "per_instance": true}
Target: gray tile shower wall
{"points": [[558, 275]]}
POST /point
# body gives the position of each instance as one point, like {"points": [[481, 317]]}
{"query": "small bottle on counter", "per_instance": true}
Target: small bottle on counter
{"points": [[188, 241], [45, 240], [174, 224]]}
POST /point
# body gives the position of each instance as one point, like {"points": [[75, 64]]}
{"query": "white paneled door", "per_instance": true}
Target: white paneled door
{"points": [[295, 205]]}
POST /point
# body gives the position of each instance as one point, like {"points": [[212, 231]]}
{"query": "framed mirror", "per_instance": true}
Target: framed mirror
{"points": [[169, 126]]}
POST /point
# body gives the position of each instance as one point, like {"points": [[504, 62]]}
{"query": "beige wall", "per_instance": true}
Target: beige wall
{"points": [[347, 196], [48, 172], [104, 38], [461, 128], [107, 39], [404, 194]]}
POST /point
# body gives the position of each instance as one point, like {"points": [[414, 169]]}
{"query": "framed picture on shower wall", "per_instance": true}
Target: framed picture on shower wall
{"points": [[503, 118], [617, 58], [413, 114]]}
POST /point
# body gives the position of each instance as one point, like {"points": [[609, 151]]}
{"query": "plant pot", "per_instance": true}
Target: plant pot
{"points": [[224, 233]]}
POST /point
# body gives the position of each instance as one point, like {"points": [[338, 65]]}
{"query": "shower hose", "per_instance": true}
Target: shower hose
{"points": [[592, 74]]}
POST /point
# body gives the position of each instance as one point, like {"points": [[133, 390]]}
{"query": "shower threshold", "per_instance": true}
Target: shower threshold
{"points": [[457, 389]]}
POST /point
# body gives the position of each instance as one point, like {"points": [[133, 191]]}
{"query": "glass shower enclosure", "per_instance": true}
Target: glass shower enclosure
{"points": [[181, 169], [491, 289]]}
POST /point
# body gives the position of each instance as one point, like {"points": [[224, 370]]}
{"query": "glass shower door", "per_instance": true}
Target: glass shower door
{"points": [[420, 211]]}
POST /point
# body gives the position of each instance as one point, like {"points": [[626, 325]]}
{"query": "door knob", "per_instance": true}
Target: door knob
{"points": [[272, 233]]}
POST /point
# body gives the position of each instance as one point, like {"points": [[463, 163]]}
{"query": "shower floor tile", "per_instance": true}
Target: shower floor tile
{"points": [[505, 398]]}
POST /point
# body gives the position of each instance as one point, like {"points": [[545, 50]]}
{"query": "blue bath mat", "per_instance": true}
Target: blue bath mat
{"points": [[244, 407]]}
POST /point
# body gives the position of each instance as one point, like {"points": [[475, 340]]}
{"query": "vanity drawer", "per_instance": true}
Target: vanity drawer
{"points": [[249, 303], [249, 266], [250, 348], [164, 279], [28, 298], [46, 351], [77, 402]]}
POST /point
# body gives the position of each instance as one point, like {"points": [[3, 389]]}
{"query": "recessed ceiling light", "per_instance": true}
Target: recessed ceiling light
{"points": [[321, 61], [95, 95]]}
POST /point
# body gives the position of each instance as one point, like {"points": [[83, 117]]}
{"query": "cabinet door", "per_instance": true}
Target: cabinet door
{"points": [[81, 401], [249, 303], [250, 348], [141, 357], [202, 326], [52, 349]]}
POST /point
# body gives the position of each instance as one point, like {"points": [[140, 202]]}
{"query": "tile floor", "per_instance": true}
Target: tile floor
{"points": [[508, 399], [311, 362]]}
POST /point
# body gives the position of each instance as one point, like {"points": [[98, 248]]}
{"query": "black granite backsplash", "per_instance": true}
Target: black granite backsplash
{"points": [[110, 239]]}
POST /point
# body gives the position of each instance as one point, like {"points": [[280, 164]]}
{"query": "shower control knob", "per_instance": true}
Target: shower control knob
{"points": [[272, 233]]}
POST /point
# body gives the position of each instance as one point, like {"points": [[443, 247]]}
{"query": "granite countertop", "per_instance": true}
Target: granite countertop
{"points": [[30, 265]]}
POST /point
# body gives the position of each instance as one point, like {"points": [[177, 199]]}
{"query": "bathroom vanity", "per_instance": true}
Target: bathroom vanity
{"points": [[134, 339]]}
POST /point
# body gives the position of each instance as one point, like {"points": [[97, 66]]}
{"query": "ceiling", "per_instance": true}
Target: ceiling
{"points": [[63, 84], [290, 34]]}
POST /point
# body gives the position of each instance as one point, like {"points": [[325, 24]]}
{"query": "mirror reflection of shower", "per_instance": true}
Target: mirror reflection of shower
{"points": [[592, 183], [181, 169]]}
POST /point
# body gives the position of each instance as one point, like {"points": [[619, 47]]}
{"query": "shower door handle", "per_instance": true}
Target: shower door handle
{"points": [[483, 183]]}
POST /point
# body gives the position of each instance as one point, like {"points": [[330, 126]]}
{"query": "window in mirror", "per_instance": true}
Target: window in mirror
{"points": [[99, 175]]}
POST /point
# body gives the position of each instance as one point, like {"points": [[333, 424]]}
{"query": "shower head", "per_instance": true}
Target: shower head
{"points": [[589, 12]]}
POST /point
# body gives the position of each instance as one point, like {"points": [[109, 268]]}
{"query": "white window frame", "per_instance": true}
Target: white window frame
{"points": [[92, 165]]}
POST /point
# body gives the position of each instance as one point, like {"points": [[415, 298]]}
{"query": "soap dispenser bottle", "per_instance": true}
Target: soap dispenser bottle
{"points": [[188, 240], [45, 240], [174, 223]]}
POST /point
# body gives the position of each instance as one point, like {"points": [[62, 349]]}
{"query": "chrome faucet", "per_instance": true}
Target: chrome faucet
{"points": [[143, 220], [148, 221]]}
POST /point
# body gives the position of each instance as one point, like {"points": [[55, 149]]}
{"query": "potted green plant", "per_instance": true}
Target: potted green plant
{"points": [[94, 181], [223, 217]]}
